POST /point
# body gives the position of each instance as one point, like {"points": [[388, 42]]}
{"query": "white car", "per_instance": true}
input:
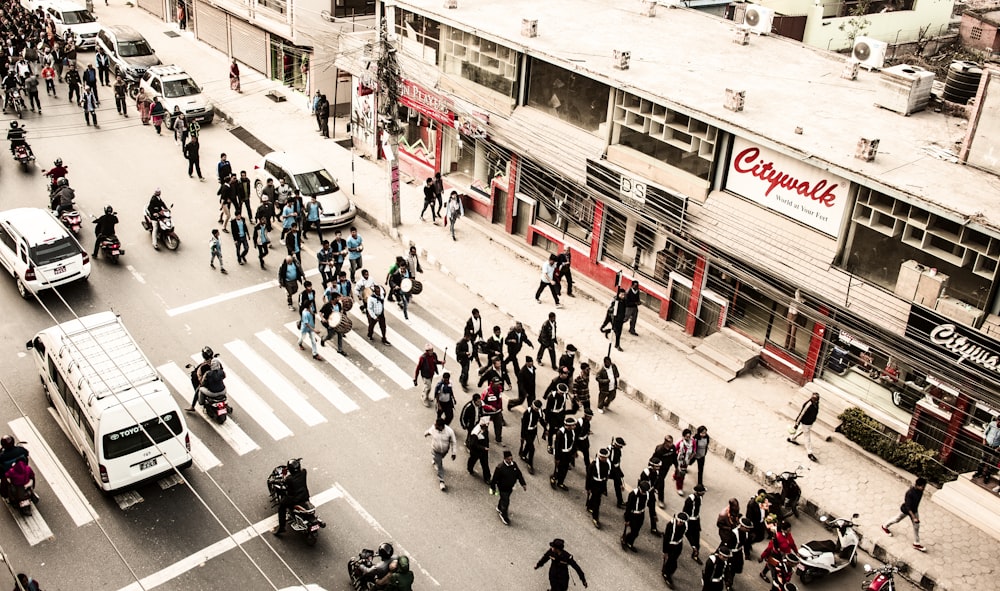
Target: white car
{"points": [[38, 251], [177, 89], [70, 16], [310, 178]]}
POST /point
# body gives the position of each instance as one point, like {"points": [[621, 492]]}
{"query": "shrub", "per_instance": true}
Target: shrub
{"points": [[908, 455]]}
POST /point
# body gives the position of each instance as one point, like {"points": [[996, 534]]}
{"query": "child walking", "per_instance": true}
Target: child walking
{"points": [[215, 247]]}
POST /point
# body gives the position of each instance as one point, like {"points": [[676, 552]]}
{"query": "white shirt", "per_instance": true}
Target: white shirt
{"points": [[442, 441], [548, 272]]}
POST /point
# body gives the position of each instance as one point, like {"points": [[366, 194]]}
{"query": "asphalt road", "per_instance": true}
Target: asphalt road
{"points": [[369, 464]]}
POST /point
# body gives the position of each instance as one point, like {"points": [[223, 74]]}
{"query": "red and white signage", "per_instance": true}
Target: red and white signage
{"points": [[788, 186], [427, 102]]}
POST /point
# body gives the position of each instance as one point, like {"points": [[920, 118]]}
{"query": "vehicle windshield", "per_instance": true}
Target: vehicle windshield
{"points": [[132, 439], [134, 48], [77, 17], [53, 252], [316, 183], [180, 88]]}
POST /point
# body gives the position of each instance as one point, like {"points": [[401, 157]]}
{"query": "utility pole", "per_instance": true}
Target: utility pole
{"points": [[388, 105]]}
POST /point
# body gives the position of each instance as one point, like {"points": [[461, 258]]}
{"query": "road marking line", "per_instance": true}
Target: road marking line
{"points": [[127, 499], [203, 457], [422, 327], [282, 388], [409, 350], [229, 431], [350, 371], [325, 386], [138, 276], [249, 402], [53, 471], [33, 527], [222, 546], [371, 521], [231, 295], [379, 360]]}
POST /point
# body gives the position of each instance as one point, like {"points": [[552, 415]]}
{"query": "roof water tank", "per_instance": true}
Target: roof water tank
{"points": [[962, 82]]}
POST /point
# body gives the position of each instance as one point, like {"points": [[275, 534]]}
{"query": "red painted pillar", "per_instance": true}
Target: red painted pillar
{"points": [[815, 345], [958, 415], [595, 233], [515, 162], [438, 147], [697, 285]]}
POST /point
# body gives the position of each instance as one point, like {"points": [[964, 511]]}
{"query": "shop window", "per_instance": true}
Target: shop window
{"points": [[289, 63], [634, 242], [575, 99], [418, 136], [278, 6], [353, 8], [479, 161], [418, 35], [479, 60], [561, 203]]}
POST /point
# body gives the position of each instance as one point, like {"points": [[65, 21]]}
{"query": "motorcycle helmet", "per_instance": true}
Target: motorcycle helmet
{"points": [[63, 182], [109, 210], [207, 353], [294, 465], [385, 551], [156, 192], [58, 162], [6, 442], [13, 124]]}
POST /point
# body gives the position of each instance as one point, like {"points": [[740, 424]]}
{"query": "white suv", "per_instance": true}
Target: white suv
{"points": [[70, 16], [177, 89], [38, 252]]}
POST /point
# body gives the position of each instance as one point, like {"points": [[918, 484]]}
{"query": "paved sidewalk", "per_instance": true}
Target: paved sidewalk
{"points": [[749, 431]]}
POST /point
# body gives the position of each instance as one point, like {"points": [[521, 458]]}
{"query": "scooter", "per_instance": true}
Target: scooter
{"points": [[71, 219], [785, 504], [824, 557], [23, 155], [111, 248], [215, 404], [22, 497], [881, 579], [167, 235], [303, 518]]}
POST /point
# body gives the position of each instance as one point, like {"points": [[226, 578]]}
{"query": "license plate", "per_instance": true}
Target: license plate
{"points": [[59, 269], [25, 503], [219, 412], [147, 464], [314, 527], [115, 252]]}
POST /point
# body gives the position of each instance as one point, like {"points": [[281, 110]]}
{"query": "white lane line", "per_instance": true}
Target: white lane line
{"points": [[33, 527], [53, 471], [203, 457], [231, 295], [307, 371], [230, 431], [350, 371], [282, 388], [138, 276], [379, 359], [408, 349], [425, 330], [247, 401], [221, 547], [383, 534]]}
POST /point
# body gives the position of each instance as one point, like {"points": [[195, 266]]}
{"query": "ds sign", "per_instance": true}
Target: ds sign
{"points": [[633, 192]]}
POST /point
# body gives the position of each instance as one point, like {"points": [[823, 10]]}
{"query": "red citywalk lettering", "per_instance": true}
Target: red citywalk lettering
{"points": [[748, 162]]}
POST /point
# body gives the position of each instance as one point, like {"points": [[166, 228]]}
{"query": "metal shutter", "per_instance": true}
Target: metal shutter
{"points": [[211, 26], [154, 6], [249, 44]]}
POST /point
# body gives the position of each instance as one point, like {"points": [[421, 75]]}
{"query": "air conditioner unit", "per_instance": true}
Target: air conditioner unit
{"points": [[869, 52], [904, 89], [759, 19]]}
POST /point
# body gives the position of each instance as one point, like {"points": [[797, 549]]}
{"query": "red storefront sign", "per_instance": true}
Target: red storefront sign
{"points": [[428, 103]]}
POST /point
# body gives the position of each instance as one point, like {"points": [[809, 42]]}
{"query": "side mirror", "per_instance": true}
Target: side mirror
{"points": [[855, 516], [823, 519], [29, 345], [769, 474], [868, 568]]}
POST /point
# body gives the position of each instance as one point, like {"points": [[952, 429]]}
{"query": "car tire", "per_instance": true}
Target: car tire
{"points": [[22, 289], [258, 187]]}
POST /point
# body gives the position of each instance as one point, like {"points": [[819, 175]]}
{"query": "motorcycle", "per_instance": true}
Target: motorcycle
{"points": [[215, 404], [20, 496], [785, 503], [167, 235], [23, 155], [303, 516], [357, 565], [824, 557], [880, 579], [16, 101], [111, 248]]}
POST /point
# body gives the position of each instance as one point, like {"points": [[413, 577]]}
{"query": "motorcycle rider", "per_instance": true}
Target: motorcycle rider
{"points": [[399, 578], [62, 199], [370, 574], [105, 228], [296, 493], [10, 83], [20, 475], [209, 377], [156, 205], [9, 454], [57, 172], [16, 135]]}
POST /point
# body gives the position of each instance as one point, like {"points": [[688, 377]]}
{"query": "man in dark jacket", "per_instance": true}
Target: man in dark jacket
{"points": [[607, 384], [463, 353], [474, 330], [529, 432], [296, 493], [516, 338], [505, 476], [547, 338], [241, 230], [525, 384], [561, 563], [598, 471], [616, 318], [479, 448], [564, 446], [105, 227], [673, 544], [192, 151], [632, 307], [638, 501], [910, 508], [804, 422], [289, 276]]}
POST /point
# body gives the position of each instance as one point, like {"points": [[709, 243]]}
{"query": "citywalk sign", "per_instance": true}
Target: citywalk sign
{"points": [[963, 345], [788, 186]]}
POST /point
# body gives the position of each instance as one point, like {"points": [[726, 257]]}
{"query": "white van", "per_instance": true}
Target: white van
{"points": [[38, 251], [70, 16], [112, 404]]}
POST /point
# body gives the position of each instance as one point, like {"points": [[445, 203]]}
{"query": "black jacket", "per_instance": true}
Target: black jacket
{"points": [[505, 477], [296, 488], [191, 151], [526, 382], [106, 225], [284, 267]]}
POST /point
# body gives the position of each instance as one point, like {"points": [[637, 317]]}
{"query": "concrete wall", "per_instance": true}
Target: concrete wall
{"points": [[988, 38]]}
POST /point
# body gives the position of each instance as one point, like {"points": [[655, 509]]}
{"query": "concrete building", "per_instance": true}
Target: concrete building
{"points": [[747, 184], [979, 30]]}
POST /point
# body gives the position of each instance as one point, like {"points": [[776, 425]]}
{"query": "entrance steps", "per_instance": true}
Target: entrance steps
{"points": [[726, 354], [971, 502]]}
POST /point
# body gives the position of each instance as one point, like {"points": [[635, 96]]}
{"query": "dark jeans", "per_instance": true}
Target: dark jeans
{"points": [[242, 248], [553, 287], [33, 102], [482, 456], [552, 353], [701, 469], [670, 562], [88, 115], [527, 451], [380, 321], [568, 275], [503, 505], [194, 165], [633, 525], [74, 90], [512, 358], [463, 377], [104, 75], [121, 104], [262, 251], [308, 224], [429, 204], [594, 503], [562, 466], [631, 315]]}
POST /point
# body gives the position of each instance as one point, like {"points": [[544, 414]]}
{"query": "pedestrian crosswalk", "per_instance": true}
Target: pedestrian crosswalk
{"points": [[276, 392]]}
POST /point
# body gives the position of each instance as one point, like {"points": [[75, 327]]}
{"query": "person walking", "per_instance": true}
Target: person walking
{"points": [[314, 109], [49, 76], [375, 307], [31, 89], [564, 445], [192, 151], [474, 331], [564, 262], [562, 561], [525, 384], [991, 446], [667, 454], [308, 328], [439, 192], [463, 353], [701, 442], [781, 545], [89, 78], [505, 476], [215, 249], [179, 125], [120, 90], [355, 245], [470, 416], [429, 200], [615, 316], [444, 399], [243, 193], [234, 76], [142, 104], [692, 506], [493, 407], [293, 242], [224, 169], [598, 472], [548, 280], [555, 410], [73, 83], [804, 423], [323, 113], [617, 474], [910, 508], [516, 339], [290, 275], [479, 448], [673, 544], [227, 196], [529, 433], [240, 231], [685, 455], [453, 211], [547, 340], [714, 573], [427, 368], [607, 385], [313, 210], [581, 388], [442, 444], [103, 67], [326, 310], [632, 302], [635, 514], [89, 103], [156, 113], [261, 240]]}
